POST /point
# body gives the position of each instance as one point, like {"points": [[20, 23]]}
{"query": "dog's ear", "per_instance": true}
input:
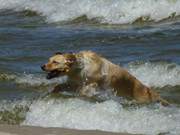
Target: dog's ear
{"points": [[71, 58], [58, 53]]}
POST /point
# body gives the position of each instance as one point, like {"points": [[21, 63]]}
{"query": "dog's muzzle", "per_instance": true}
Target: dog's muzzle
{"points": [[51, 74], [54, 73]]}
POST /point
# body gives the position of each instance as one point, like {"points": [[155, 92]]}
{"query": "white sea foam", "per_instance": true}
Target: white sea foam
{"points": [[108, 116], [37, 80], [31, 79], [10, 106], [4, 76], [156, 74], [107, 11]]}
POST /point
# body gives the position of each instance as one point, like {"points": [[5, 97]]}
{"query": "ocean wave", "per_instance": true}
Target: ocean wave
{"points": [[4, 76], [37, 80], [157, 74], [152, 74], [81, 114], [108, 116], [104, 11], [31, 80]]}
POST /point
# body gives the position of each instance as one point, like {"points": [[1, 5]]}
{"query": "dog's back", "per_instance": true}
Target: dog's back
{"points": [[101, 70]]}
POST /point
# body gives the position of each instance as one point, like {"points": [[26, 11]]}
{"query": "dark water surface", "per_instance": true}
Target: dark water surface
{"points": [[150, 51]]}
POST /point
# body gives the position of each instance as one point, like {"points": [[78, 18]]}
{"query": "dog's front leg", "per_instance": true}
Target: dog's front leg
{"points": [[56, 89], [89, 90]]}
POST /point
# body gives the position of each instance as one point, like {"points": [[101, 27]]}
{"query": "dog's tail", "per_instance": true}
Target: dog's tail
{"points": [[155, 97], [163, 102]]}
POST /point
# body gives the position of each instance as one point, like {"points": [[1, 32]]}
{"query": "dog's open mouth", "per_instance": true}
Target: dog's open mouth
{"points": [[54, 73]]}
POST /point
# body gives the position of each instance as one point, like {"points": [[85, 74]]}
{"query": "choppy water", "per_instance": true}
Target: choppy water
{"points": [[142, 36]]}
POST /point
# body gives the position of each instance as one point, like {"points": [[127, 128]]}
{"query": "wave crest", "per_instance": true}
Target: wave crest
{"points": [[31, 80], [4, 76], [81, 114], [156, 74], [108, 116], [111, 11], [37, 80]]}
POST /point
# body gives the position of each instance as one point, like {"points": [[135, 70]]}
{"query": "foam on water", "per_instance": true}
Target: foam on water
{"points": [[37, 80], [151, 74], [4, 76], [31, 79], [156, 74], [6, 105], [108, 116], [105, 11]]}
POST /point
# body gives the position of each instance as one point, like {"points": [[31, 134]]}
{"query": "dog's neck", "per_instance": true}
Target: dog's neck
{"points": [[79, 60], [77, 67], [79, 72], [80, 65]]}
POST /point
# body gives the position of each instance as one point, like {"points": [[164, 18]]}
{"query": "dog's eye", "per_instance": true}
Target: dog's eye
{"points": [[55, 62]]}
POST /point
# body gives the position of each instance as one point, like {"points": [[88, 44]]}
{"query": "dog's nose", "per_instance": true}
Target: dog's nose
{"points": [[43, 67]]}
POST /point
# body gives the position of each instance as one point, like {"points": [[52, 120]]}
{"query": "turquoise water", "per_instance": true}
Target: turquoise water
{"points": [[145, 41]]}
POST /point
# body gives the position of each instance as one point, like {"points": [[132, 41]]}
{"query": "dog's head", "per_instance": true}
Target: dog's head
{"points": [[59, 64]]}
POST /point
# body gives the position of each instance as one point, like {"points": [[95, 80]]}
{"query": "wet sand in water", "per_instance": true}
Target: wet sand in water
{"points": [[29, 130]]}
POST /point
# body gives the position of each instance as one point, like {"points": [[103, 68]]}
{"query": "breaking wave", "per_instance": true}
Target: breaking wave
{"points": [[80, 114], [156, 74], [108, 116], [103, 11], [30, 79]]}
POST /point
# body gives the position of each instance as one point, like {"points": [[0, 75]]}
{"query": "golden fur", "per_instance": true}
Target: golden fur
{"points": [[87, 71]]}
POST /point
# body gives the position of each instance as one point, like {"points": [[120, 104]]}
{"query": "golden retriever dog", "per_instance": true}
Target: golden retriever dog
{"points": [[88, 72]]}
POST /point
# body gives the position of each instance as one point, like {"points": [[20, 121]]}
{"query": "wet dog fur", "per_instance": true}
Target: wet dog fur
{"points": [[87, 71]]}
